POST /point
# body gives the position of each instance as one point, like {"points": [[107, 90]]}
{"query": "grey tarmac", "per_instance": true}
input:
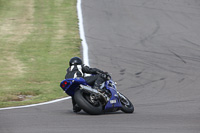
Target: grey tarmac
{"points": [[152, 49]]}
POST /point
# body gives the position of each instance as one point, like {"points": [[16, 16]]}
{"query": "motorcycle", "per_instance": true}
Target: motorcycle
{"points": [[94, 102]]}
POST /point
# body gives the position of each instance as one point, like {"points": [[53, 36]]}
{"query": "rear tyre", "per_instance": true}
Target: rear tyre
{"points": [[87, 103], [127, 106]]}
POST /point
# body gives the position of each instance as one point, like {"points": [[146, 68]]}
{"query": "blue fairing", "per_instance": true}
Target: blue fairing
{"points": [[114, 98]]}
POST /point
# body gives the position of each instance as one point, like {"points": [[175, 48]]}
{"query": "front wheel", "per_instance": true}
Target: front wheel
{"points": [[127, 106], [88, 103]]}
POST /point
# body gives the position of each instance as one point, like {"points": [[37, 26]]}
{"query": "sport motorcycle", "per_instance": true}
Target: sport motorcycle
{"points": [[96, 102]]}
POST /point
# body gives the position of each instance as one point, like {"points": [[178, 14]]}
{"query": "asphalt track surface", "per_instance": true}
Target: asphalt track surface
{"points": [[152, 49]]}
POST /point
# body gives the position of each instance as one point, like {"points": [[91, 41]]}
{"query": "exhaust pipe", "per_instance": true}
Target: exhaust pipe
{"points": [[87, 88], [91, 90]]}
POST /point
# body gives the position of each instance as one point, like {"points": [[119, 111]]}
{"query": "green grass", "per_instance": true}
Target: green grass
{"points": [[37, 39]]}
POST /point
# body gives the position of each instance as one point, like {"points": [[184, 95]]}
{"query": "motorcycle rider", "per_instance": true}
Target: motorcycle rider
{"points": [[78, 69]]}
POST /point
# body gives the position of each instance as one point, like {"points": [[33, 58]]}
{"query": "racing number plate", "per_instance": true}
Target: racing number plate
{"points": [[113, 101]]}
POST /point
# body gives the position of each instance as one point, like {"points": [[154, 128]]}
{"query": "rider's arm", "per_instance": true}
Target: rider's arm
{"points": [[87, 69]]}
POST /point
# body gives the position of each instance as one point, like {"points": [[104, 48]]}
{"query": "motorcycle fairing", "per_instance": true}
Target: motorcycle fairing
{"points": [[73, 84], [114, 100]]}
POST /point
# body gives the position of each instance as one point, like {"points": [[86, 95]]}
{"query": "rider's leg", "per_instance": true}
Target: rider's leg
{"points": [[95, 81]]}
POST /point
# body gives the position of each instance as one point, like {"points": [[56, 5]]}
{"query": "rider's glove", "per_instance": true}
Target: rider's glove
{"points": [[108, 77], [105, 75]]}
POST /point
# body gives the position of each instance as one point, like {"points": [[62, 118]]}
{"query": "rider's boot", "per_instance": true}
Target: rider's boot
{"points": [[76, 108]]}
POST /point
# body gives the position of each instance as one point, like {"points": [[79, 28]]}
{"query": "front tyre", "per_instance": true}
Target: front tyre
{"points": [[127, 106], [87, 103]]}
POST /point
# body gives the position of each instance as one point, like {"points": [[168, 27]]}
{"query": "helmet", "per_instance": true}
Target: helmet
{"points": [[75, 61]]}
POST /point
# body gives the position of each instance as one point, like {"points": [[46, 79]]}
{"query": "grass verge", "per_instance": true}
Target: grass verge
{"points": [[37, 38]]}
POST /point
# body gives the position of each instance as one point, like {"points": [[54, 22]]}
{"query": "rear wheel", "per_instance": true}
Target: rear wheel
{"points": [[88, 102], [127, 106]]}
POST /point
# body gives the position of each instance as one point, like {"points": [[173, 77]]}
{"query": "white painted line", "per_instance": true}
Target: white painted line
{"points": [[82, 34], [32, 105], [85, 58]]}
